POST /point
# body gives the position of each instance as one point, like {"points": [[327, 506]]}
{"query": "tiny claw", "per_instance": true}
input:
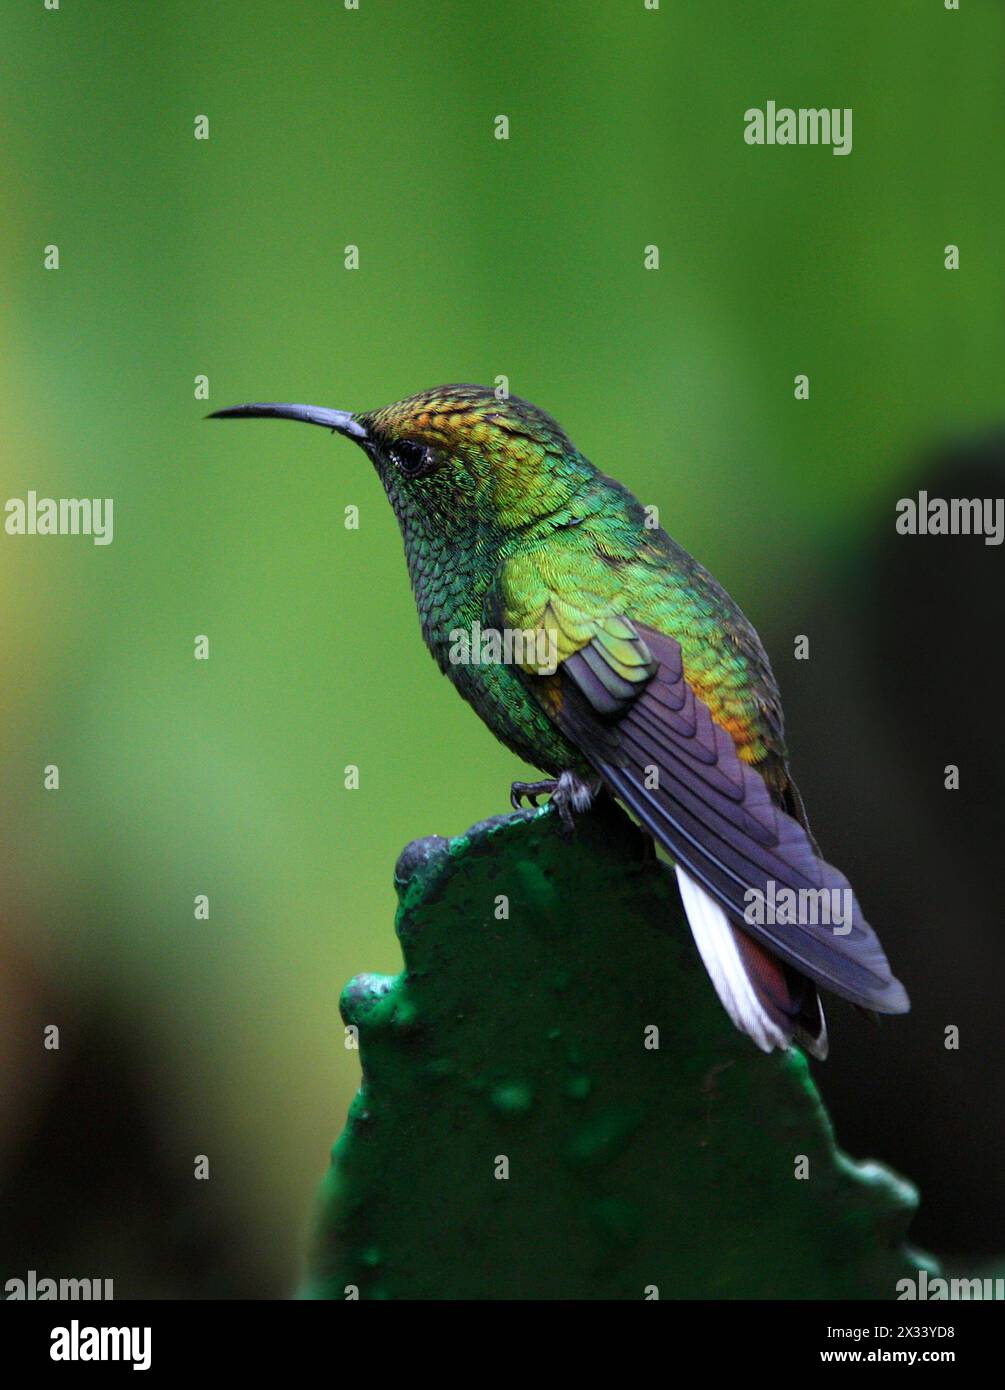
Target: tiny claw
{"points": [[529, 791]]}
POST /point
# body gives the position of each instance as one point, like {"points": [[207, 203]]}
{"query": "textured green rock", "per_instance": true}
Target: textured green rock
{"points": [[630, 1168]]}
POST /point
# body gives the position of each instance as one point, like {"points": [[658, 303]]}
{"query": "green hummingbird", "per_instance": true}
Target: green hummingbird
{"points": [[650, 684]]}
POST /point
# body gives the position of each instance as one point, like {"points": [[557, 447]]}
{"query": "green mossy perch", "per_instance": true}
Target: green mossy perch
{"points": [[630, 1168]]}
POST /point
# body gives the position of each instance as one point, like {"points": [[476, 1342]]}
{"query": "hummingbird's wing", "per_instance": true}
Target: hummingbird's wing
{"points": [[620, 695]]}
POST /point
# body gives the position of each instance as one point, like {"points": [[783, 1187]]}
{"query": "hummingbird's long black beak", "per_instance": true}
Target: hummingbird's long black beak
{"points": [[338, 421]]}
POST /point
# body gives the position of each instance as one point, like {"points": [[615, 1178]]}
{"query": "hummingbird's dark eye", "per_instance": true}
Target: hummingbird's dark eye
{"points": [[412, 459]]}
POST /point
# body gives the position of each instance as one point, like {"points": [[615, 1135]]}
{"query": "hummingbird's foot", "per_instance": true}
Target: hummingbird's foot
{"points": [[568, 793], [530, 791]]}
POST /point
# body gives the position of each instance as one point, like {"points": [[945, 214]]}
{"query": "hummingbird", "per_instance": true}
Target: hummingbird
{"points": [[652, 687]]}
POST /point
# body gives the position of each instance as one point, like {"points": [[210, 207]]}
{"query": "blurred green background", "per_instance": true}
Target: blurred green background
{"points": [[478, 257]]}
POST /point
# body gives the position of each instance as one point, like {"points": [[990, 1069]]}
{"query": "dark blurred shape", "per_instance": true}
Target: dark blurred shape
{"points": [[93, 1186], [905, 677], [946, 597]]}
